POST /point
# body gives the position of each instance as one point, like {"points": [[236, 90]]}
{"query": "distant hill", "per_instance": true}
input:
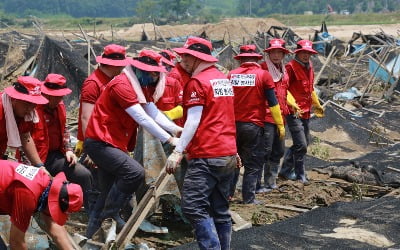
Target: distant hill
{"points": [[181, 9]]}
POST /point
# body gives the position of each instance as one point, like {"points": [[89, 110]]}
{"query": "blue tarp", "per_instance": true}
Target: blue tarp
{"points": [[384, 73]]}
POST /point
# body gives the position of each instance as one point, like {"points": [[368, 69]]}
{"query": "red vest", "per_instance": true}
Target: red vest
{"points": [[33, 178], [101, 81], [179, 74], [171, 97], [301, 85], [109, 122], [40, 132], [249, 83], [216, 134], [281, 93]]}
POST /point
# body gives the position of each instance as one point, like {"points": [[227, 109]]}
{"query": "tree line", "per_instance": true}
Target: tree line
{"points": [[175, 10]]}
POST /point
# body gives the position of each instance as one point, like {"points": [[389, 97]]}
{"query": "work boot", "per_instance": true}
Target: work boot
{"points": [[206, 234], [270, 176], [286, 171], [301, 174], [95, 218], [116, 199], [224, 231]]}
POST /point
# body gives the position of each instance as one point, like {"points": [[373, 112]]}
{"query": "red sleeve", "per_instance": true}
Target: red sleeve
{"points": [[290, 73], [268, 82], [23, 206], [90, 92], [194, 94], [123, 94], [24, 126]]}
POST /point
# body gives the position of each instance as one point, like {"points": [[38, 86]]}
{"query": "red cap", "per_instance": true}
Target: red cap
{"points": [[148, 60], [55, 85], [27, 89], [167, 57], [197, 47], [113, 55], [64, 197], [248, 51], [277, 43], [305, 45]]}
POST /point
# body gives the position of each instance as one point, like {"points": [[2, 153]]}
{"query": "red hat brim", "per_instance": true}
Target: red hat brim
{"points": [[36, 99], [237, 57], [55, 92], [307, 50], [165, 60], [111, 62], [286, 51], [201, 56], [147, 67], [53, 200]]}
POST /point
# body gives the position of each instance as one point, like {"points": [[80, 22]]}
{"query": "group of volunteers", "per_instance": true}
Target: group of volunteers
{"points": [[210, 124]]}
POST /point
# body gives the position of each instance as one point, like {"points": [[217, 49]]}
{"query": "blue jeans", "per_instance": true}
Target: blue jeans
{"points": [[294, 157], [206, 189], [274, 148]]}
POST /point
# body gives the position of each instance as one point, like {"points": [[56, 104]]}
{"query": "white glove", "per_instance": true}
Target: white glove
{"points": [[173, 141], [173, 161]]}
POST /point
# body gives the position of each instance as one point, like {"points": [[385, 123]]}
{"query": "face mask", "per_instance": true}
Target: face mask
{"points": [[145, 78]]}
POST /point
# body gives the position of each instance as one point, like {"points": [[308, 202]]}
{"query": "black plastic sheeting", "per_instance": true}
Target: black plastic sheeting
{"points": [[306, 231]]}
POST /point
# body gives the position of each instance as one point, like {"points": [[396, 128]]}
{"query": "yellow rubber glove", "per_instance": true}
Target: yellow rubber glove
{"points": [[174, 113], [79, 148], [292, 103], [277, 116], [318, 109]]}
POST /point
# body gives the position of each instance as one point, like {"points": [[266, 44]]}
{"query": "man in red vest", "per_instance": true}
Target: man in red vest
{"points": [[52, 138], [253, 88], [26, 190], [208, 137], [127, 102], [111, 62], [301, 91], [17, 116]]}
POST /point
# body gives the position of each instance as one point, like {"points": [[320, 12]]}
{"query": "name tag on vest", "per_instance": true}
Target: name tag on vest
{"points": [[221, 87], [26, 171], [243, 80]]}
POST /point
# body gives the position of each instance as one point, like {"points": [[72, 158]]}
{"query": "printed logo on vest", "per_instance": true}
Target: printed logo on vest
{"points": [[221, 87], [26, 171], [243, 80]]}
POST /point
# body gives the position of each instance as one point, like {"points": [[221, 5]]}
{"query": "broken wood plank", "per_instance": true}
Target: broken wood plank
{"points": [[328, 59], [393, 169], [239, 222], [288, 208]]}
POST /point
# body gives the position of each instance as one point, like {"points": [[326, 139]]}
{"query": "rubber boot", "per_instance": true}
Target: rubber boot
{"points": [[206, 234], [270, 175], [300, 173], [116, 199], [224, 231], [95, 218], [288, 166]]}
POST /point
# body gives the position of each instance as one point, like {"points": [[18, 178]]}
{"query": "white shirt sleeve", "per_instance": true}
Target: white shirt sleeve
{"points": [[152, 110], [192, 123], [140, 116]]}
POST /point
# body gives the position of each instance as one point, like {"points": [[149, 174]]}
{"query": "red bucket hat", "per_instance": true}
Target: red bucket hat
{"points": [[55, 85], [148, 60], [167, 57], [197, 47], [64, 197], [277, 43], [248, 51], [27, 89], [113, 55], [305, 45]]}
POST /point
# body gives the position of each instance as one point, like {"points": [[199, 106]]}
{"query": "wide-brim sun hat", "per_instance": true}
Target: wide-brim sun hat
{"points": [[305, 45], [148, 60], [197, 47], [28, 89], [55, 85], [113, 55], [248, 50], [277, 43], [64, 198]]}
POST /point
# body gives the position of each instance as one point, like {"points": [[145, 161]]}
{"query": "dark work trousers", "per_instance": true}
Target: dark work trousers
{"points": [[114, 165], [274, 148], [206, 189], [294, 156], [56, 162], [250, 146]]}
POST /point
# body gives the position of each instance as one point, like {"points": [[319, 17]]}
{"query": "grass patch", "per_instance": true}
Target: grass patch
{"points": [[319, 151]]}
